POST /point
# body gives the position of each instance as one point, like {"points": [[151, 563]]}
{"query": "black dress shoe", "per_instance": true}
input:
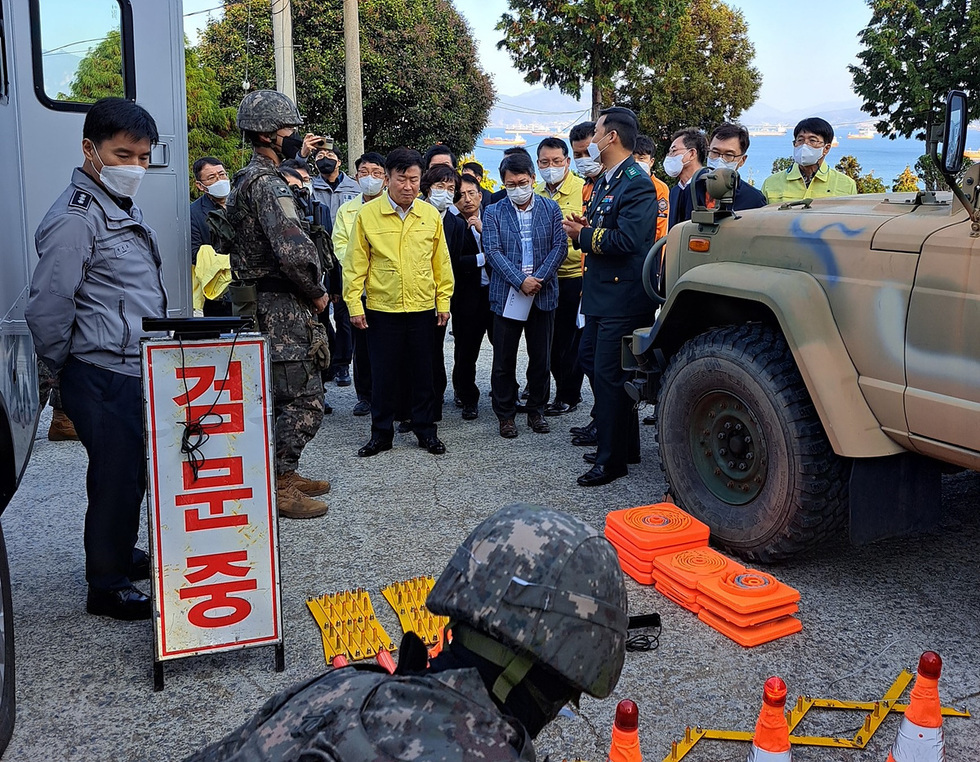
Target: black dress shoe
{"points": [[404, 427], [373, 447], [599, 475], [433, 444], [140, 568], [127, 603], [585, 440], [590, 457], [342, 377], [327, 408], [363, 407], [470, 413], [538, 424], [579, 431], [457, 401], [559, 408]]}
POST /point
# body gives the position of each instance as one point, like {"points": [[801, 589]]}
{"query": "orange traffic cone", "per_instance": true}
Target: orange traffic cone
{"points": [[625, 745], [771, 740], [920, 736]]}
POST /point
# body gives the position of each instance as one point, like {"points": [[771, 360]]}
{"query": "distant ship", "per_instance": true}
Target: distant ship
{"points": [[768, 131], [865, 133], [972, 155], [517, 140]]}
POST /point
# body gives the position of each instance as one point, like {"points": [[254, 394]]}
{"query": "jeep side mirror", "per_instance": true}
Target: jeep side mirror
{"points": [[954, 132]]}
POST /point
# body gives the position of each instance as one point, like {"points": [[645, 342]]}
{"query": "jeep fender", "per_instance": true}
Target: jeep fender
{"points": [[797, 303]]}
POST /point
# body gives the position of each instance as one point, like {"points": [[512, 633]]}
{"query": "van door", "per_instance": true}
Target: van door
{"points": [[82, 51]]}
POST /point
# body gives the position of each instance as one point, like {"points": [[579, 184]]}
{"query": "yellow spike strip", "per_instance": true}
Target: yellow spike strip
{"points": [[331, 639], [877, 712], [407, 598], [348, 625]]}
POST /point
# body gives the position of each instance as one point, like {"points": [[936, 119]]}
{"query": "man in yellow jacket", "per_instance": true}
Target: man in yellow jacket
{"points": [[398, 257]]}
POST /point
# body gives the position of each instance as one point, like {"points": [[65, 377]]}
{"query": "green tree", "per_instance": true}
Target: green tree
{"points": [[781, 165], [422, 82], [570, 43], [99, 73], [865, 183], [932, 177], [915, 51], [907, 182], [708, 78]]}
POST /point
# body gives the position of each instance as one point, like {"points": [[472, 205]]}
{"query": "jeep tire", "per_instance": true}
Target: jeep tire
{"points": [[743, 448]]}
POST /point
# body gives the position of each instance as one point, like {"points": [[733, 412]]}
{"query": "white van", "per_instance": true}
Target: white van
{"points": [[55, 57]]}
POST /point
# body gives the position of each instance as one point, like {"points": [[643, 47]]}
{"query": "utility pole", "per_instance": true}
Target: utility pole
{"points": [[282, 43], [352, 63]]}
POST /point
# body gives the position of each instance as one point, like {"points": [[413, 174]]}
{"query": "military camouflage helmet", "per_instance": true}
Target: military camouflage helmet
{"points": [[267, 111], [545, 583]]}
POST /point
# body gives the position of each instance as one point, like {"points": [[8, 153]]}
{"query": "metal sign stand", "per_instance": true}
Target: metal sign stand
{"points": [[214, 544]]}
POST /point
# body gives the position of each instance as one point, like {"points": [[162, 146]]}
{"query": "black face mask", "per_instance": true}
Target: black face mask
{"points": [[291, 145], [326, 167]]}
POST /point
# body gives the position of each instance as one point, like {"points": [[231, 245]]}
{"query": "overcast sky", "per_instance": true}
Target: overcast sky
{"points": [[802, 50]]}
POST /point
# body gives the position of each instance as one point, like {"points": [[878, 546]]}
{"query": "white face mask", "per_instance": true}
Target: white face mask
{"points": [[553, 175], [807, 156], [440, 198], [720, 163], [309, 187], [520, 195], [674, 165], [587, 167], [643, 166], [123, 180], [371, 186], [219, 188], [595, 153]]}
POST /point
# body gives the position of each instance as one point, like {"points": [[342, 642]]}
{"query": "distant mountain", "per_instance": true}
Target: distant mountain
{"points": [[841, 114], [540, 106]]}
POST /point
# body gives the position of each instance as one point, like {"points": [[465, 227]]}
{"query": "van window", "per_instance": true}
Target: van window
{"points": [[82, 51]]}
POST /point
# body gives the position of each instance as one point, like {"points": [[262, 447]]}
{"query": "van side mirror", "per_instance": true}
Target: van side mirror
{"points": [[954, 131]]}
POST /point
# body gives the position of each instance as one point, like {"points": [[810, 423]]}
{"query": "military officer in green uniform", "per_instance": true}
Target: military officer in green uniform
{"points": [[280, 281], [614, 235]]}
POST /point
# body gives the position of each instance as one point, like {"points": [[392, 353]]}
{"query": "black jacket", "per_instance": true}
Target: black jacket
{"points": [[462, 255], [200, 232]]}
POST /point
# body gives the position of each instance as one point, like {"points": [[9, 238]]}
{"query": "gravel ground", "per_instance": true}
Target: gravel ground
{"points": [[84, 684]]}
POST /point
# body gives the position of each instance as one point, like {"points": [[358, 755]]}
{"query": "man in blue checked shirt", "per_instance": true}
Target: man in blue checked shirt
{"points": [[524, 244]]}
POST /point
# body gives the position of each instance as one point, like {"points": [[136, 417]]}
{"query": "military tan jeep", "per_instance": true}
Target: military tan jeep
{"points": [[817, 362]]}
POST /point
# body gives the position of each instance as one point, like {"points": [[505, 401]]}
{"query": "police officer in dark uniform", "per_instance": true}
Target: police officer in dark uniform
{"points": [[279, 280], [615, 235]]}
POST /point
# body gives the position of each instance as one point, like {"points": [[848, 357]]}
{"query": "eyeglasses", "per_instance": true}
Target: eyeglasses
{"points": [[214, 177], [813, 141], [678, 151], [376, 173], [727, 156], [515, 186], [545, 163]]}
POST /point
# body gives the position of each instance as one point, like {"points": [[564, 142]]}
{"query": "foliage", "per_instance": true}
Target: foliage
{"points": [[932, 177], [707, 78], [99, 73], [421, 80], [915, 51], [569, 43], [907, 182], [487, 182], [781, 165], [865, 183]]}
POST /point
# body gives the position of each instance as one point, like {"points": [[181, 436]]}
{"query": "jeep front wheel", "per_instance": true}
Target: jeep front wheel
{"points": [[743, 448]]}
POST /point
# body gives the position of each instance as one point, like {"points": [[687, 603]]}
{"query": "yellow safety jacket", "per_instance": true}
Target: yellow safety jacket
{"points": [[789, 185]]}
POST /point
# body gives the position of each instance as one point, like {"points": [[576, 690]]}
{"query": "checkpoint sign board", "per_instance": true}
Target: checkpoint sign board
{"points": [[214, 538]]}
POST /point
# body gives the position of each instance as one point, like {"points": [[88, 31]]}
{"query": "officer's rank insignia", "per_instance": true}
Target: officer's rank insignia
{"points": [[81, 199], [631, 171]]}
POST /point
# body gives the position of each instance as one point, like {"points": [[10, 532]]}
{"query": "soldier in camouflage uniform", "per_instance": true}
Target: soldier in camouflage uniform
{"points": [[537, 609], [278, 279], [61, 428]]}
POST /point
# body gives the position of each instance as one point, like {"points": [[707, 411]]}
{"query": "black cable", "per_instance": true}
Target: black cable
{"points": [[195, 434], [645, 641]]}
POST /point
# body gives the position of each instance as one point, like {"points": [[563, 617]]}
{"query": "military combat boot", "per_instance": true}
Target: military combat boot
{"points": [[293, 504], [61, 428], [311, 487]]}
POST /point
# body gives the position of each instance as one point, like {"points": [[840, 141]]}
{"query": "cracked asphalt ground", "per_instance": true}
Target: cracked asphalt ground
{"points": [[84, 684]]}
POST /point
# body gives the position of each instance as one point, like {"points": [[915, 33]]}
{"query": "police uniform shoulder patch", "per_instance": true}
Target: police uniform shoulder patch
{"points": [[80, 199]]}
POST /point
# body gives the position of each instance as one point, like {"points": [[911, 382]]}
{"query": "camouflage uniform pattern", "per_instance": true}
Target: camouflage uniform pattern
{"points": [[49, 386], [270, 244], [357, 715], [569, 613], [267, 111]]}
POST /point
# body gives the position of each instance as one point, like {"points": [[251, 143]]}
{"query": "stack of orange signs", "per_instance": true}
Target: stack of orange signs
{"points": [[661, 545], [750, 607], [641, 534]]}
